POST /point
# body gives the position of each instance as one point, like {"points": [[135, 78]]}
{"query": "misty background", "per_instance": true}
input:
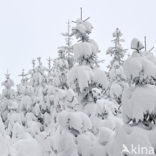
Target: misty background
{"points": [[32, 28]]}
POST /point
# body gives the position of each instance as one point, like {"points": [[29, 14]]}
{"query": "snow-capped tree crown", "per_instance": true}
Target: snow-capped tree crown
{"points": [[64, 62], [139, 102], [85, 51], [117, 51], [140, 67], [8, 83], [116, 74]]}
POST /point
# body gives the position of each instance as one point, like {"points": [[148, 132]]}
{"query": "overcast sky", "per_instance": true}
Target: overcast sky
{"points": [[31, 28]]}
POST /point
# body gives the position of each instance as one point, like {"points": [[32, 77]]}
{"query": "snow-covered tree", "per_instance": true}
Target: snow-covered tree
{"points": [[23, 83], [68, 48], [50, 75], [85, 75], [139, 101], [64, 62], [116, 74], [117, 51], [8, 92], [8, 96], [60, 69], [138, 105]]}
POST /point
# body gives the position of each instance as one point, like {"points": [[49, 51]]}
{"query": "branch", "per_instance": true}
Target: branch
{"points": [[86, 19], [151, 49]]}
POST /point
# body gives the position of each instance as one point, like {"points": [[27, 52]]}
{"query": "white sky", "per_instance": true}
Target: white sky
{"points": [[31, 28]]}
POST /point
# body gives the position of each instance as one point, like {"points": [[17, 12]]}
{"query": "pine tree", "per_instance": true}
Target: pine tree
{"points": [[117, 51], [138, 100], [8, 97], [50, 72], [64, 61], [68, 46], [116, 73], [85, 75], [8, 92], [23, 83]]}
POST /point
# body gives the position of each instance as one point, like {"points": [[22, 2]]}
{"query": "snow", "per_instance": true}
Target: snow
{"points": [[83, 26], [27, 146], [4, 147], [88, 26], [136, 44], [115, 90], [71, 100], [96, 93], [87, 125], [140, 62], [116, 71], [85, 49], [137, 101], [94, 46], [135, 137], [26, 103], [76, 120], [84, 75], [8, 83], [91, 144], [100, 78], [84, 141], [67, 145], [105, 135]]}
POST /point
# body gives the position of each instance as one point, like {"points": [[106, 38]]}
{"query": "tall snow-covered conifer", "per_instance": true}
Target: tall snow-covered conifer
{"points": [[8, 92], [139, 101], [117, 51], [64, 62], [116, 73], [85, 75]]}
